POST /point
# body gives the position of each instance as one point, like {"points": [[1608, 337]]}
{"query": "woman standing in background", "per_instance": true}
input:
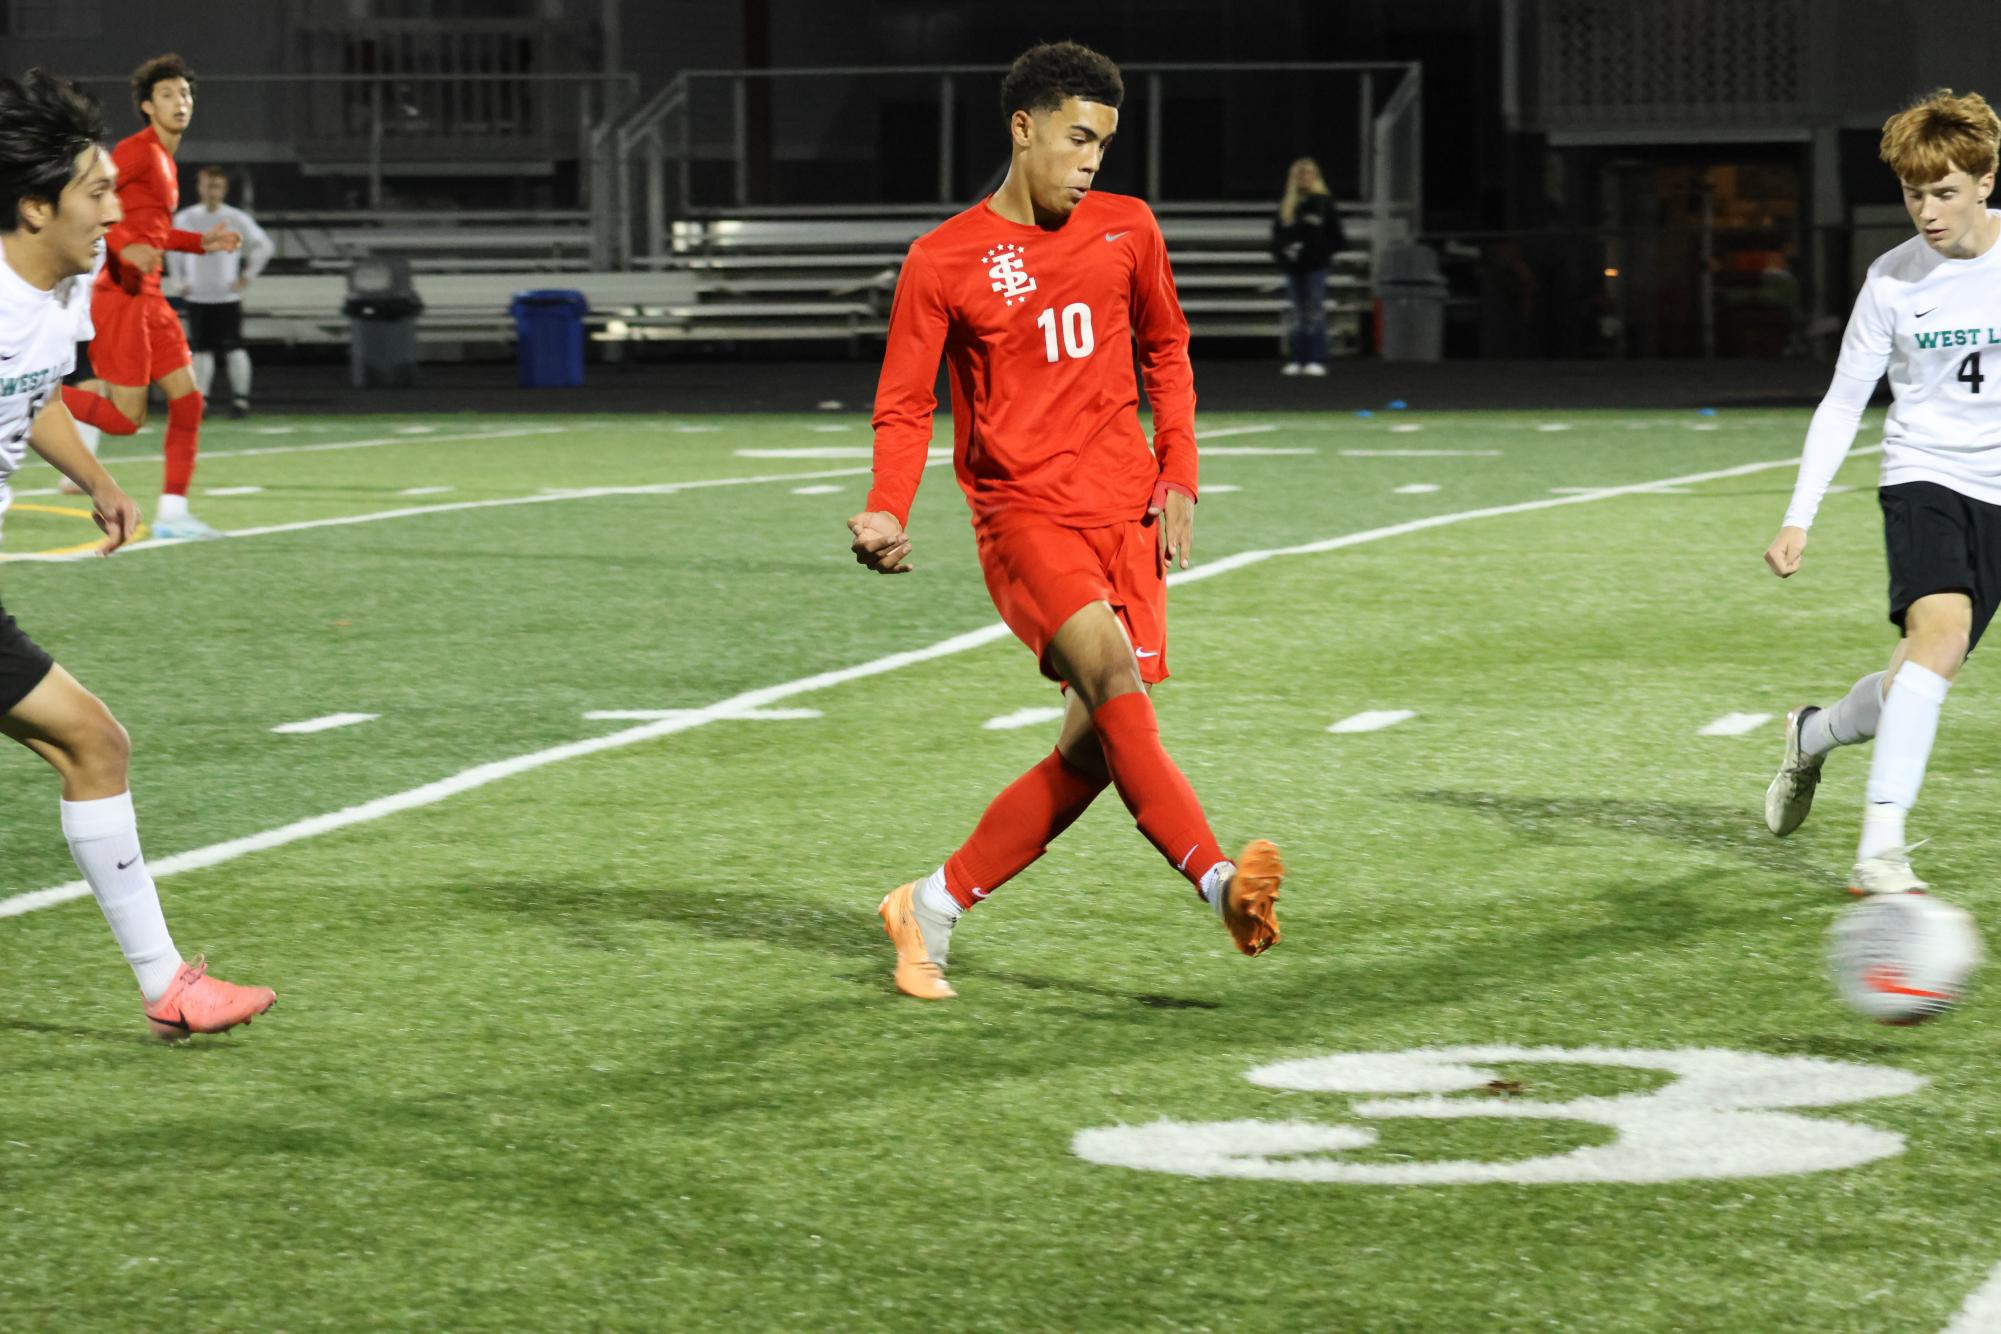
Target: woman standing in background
{"points": [[1304, 237]]}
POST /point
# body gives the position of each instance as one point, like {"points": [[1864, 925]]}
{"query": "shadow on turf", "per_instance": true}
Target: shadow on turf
{"points": [[1152, 1000], [1736, 830], [129, 1036], [589, 914]]}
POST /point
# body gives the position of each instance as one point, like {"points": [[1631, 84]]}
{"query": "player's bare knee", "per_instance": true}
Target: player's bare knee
{"points": [[98, 746], [1942, 645], [1940, 633]]}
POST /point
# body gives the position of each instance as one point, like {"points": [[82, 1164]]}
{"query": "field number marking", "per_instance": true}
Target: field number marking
{"points": [[1722, 1116]]}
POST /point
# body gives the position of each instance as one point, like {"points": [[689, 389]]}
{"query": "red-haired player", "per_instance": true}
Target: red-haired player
{"points": [[139, 338], [1036, 297]]}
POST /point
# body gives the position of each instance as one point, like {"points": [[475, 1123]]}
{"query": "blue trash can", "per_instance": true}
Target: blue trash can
{"points": [[549, 337]]}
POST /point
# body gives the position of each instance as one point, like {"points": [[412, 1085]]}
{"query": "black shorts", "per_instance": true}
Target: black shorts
{"points": [[215, 326], [1940, 541], [23, 664]]}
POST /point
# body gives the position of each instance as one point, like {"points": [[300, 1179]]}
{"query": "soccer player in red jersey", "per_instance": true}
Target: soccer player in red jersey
{"points": [[1036, 297], [139, 338]]}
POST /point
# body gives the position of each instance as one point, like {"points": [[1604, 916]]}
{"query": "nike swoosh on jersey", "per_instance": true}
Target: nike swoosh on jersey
{"points": [[1921, 314], [1113, 236], [1146, 653]]}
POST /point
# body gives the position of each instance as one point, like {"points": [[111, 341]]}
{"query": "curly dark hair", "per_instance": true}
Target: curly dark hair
{"points": [[1043, 76], [169, 66], [46, 123]]}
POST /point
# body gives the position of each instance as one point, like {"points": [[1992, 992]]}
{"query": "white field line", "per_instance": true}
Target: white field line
{"points": [[1420, 453], [1734, 724], [411, 511], [1219, 488], [1416, 488], [941, 452], [935, 453], [325, 724], [748, 715], [1587, 490], [1243, 558], [373, 442], [1221, 431], [1982, 1312], [1030, 717], [480, 775], [1373, 720], [1258, 451]]}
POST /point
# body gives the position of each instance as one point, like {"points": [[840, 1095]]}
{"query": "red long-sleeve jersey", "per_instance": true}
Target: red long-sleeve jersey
{"points": [[149, 190], [1037, 329]]}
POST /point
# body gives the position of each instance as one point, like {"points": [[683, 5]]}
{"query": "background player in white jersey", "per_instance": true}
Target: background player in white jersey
{"points": [[57, 202], [1929, 314], [212, 286]]}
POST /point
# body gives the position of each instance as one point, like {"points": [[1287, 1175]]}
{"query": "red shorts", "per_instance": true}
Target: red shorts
{"points": [[1041, 573], [139, 338]]}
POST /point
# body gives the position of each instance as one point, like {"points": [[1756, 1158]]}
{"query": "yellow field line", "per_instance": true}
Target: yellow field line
{"points": [[71, 513]]}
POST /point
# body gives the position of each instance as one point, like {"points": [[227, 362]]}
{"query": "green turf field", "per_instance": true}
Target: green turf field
{"points": [[605, 1038]]}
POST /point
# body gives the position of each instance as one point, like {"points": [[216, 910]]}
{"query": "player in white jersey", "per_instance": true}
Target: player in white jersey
{"points": [[1928, 315], [212, 286], [74, 294], [57, 202]]}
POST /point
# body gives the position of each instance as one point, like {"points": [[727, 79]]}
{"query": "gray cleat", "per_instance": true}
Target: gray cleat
{"points": [[1790, 796]]}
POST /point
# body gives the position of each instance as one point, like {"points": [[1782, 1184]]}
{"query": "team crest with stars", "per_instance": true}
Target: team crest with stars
{"points": [[1010, 276]]}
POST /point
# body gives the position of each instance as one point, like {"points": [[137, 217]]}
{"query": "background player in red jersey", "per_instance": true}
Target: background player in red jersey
{"points": [[1035, 297], [139, 338]]}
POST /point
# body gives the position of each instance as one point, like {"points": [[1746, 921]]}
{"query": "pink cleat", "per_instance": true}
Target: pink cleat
{"points": [[198, 1003]]}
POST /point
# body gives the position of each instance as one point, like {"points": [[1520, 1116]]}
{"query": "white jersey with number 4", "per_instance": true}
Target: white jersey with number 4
{"points": [[1934, 326], [37, 349]]}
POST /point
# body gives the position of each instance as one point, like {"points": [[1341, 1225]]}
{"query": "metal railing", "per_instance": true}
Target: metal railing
{"points": [[371, 126], [707, 141]]}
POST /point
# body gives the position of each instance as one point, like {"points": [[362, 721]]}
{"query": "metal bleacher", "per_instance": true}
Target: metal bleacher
{"points": [[757, 275]]}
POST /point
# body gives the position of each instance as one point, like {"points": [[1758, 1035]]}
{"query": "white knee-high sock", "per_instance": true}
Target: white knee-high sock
{"points": [[1851, 719], [238, 360], [1904, 736], [104, 838], [90, 436], [204, 371]]}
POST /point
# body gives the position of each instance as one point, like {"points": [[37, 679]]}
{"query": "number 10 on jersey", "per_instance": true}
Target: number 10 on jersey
{"points": [[1078, 340]]}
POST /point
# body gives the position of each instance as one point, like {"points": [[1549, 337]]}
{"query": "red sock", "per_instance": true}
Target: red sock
{"points": [[96, 410], [1019, 826], [1154, 789], [183, 428]]}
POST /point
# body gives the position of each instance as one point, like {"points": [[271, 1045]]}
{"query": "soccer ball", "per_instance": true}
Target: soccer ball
{"points": [[1903, 958]]}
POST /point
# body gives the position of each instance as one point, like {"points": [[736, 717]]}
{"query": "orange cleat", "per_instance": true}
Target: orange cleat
{"points": [[1250, 900], [919, 972], [198, 1003]]}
